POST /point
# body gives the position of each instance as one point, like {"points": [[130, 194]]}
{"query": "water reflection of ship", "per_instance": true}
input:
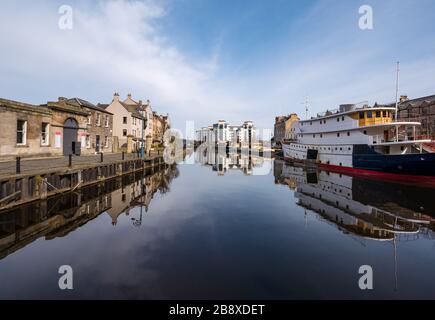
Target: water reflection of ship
{"points": [[222, 161], [59, 216], [364, 208], [361, 207]]}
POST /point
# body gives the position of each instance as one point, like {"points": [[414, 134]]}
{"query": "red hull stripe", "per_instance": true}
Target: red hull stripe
{"points": [[421, 180]]}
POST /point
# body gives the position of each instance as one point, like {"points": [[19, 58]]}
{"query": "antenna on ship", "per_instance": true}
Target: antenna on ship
{"points": [[306, 107], [397, 99]]}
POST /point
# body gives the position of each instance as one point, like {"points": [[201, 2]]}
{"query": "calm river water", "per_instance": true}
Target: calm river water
{"points": [[233, 227]]}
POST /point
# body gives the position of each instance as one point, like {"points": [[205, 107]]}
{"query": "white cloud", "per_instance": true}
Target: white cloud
{"points": [[114, 46], [119, 46]]}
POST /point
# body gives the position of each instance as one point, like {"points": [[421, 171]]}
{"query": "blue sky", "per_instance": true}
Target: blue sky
{"points": [[205, 60]]}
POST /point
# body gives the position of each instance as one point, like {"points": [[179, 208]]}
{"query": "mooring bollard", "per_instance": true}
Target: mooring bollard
{"points": [[18, 167], [70, 160], [101, 157]]}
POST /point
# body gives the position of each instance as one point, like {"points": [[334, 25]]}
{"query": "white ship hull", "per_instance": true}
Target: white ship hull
{"points": [[334, 155]]}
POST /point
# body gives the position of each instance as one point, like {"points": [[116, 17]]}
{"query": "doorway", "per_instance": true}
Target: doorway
{"points": [[97, 143], [70, 130]]}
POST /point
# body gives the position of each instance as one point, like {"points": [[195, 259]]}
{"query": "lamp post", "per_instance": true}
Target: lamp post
{"points": [[144, 120]]}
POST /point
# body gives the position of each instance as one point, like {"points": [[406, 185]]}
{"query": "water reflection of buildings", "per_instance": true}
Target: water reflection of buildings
{"points": [[365, 208], [222, 161], [59, 216]]}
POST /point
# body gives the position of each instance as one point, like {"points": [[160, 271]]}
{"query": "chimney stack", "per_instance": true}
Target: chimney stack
{"points": [[404, 98], [116, 96]]}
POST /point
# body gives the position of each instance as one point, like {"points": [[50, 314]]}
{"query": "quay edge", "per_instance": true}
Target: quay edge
{"points": [[25, 188]]}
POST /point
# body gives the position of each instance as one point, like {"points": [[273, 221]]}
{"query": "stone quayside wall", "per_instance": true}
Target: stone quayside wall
{"points": [[24, 188]]}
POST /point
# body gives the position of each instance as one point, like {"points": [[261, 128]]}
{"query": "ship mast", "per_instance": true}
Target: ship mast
{"points": [[397, 99], [306, 107], [395, 263]]}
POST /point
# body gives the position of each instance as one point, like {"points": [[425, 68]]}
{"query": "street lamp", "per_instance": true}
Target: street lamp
{"points": [[144, 123]]}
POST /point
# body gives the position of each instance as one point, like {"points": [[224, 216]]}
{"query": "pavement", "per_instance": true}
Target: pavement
{"points": [[29, 165]]}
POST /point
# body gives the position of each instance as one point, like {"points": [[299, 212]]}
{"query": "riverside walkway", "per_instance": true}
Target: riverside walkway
{"points": [[29, 165], [42, 178]]}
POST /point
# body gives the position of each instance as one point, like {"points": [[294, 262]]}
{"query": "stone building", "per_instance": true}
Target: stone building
{"points": [[135, 123], [63, 127], [27, 130], [82, 126], [160, 125], [130, 123], [282, 127], [421, 110]]}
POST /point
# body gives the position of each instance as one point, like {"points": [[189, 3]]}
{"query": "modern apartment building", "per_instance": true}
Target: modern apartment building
{"points": [[224, 133]]}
